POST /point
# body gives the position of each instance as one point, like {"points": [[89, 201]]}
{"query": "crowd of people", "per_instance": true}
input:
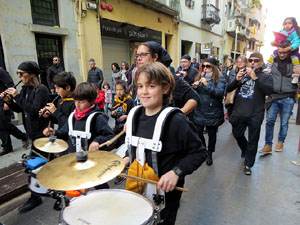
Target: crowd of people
{"points": [[200, 92]]}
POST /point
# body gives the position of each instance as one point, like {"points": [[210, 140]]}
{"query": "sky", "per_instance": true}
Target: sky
{"points": [[277, 11]]}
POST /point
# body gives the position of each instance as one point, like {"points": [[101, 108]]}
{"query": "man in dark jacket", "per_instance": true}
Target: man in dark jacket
{"points": [[187, 71], [282, 98], [95, 74], [6, 127], [52, 71], [248, 108]]}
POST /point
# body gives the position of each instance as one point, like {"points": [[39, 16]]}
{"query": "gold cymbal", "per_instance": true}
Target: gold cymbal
{"points": [[65, 173], [44, 144]]}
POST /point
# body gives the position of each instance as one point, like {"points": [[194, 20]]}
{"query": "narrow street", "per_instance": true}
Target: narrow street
{"points": [[222, 194]]}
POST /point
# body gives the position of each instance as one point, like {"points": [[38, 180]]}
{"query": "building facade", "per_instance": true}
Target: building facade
{"points": [[110, 31], [200, 29], [37, 30]]}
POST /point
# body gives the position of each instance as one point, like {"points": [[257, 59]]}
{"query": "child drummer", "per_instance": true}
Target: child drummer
{"points": [[182, 151], [84, 96]]}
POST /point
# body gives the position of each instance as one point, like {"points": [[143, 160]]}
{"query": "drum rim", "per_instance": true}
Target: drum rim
{"points": [[118, 190]]}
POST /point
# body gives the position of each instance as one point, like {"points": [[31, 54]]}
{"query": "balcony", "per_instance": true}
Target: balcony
{"points": [[243, 34], [210, 14], [169, 7]]}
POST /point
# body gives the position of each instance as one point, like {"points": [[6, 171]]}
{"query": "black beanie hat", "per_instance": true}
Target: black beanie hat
{"points": [[212, 60], [257, 55], [30, 67], [163, 55], [186, 57]]}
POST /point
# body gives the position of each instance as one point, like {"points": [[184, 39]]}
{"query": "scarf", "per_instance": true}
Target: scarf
{"points": [[121, 102], [207, 76], [80, 115], [65, 100]]}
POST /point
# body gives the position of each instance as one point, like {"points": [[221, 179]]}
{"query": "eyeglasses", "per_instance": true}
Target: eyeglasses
{"points": [[55, 60], [253, 60], [142, 55], [206, 66]]}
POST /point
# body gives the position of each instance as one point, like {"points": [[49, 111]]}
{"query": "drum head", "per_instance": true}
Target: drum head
{"points": [[109, 207]]}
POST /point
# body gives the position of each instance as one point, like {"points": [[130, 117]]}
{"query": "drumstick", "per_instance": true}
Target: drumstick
{"points": [[109, 142], [149, 181]]}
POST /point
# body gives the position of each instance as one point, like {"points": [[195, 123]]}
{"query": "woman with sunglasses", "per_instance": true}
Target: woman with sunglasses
{"points": [[209, 113], [32, 97]]}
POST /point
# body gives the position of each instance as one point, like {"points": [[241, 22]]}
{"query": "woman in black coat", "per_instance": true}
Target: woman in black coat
{"points": [[209, 113], [32, 97]]}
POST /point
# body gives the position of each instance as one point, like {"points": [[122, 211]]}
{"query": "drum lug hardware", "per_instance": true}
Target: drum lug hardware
{"points": [[158, 199]]}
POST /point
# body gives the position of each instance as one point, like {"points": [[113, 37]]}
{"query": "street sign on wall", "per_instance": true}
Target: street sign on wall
{"points": [[206, 48]]}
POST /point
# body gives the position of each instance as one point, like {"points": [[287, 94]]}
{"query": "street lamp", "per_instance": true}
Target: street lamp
{"points": [[235, 42]]}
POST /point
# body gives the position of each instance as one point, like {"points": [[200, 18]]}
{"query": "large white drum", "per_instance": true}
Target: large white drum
{"points": [[109, 207]]}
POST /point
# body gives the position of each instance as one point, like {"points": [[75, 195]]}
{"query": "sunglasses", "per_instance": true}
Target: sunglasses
{"points": [[206, 66], [253, 60], [20, 73], [55, 60]]}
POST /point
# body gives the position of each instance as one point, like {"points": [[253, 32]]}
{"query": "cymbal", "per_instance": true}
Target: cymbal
{"points": [[65, 173], [44, 144]]}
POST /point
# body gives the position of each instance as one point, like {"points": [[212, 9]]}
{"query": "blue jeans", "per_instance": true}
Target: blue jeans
{"points": [[285, 107]]}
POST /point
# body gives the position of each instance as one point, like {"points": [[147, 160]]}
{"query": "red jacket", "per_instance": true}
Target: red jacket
{"points": [[100, 100]]}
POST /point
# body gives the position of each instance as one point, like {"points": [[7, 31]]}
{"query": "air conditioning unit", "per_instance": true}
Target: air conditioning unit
{"points": [[91, 5]]}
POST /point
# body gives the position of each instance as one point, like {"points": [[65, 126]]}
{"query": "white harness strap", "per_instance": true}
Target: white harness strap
{"points": [[80, 134], [141, 144]]}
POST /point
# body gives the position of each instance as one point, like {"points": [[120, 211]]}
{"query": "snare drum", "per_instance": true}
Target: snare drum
{"points": [[109, 207], [34, 185]]}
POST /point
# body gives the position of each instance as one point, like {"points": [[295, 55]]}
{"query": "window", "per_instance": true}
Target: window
{"points": [[44, 12], [2, 63], [190, 3], [47, 47]]}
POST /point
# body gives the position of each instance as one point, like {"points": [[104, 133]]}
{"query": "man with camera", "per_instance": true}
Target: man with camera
{"points": [[186, 70], [282, 98], [248, 109]]}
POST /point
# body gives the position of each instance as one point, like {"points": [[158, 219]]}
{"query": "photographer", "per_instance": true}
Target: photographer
{"points": [[187, 71], [248, 110]]}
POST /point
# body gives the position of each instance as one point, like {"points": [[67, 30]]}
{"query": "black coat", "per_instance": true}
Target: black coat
{"points": [[51, 72], [29, 102], [209, 111], [95, 76], [61, 114]]}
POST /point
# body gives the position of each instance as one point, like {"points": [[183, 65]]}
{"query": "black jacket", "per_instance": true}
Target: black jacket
{"points": [[209, 111], [61, 115], [5, 82], [250, 96], [51, 72], [192, 72], [100, 130], [95, 76], [29, 102]]}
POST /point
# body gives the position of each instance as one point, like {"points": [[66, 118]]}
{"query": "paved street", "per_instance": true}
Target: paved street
{"points": [[222, 194]]}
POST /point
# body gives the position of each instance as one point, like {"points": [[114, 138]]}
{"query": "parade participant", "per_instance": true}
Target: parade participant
{"points": [[100, 99], [29, 101], [108, 97], [209, 113], [84, 96], [95, 74], [229, 72], [116, 75], [64, 83], [187, 71], [290, 32], [6, 127], [121, 106], [180, 154], [123, 71], [248, 108], [184, 97], [241, 63], [281, 100], [195, 64], [54, 69]]}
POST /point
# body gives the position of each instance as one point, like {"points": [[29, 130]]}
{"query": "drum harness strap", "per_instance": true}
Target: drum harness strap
{"points": [[86, 135], [154, 144]]}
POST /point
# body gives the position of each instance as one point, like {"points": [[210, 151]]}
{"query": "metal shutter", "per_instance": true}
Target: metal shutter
{"points": [[114, 50]]}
